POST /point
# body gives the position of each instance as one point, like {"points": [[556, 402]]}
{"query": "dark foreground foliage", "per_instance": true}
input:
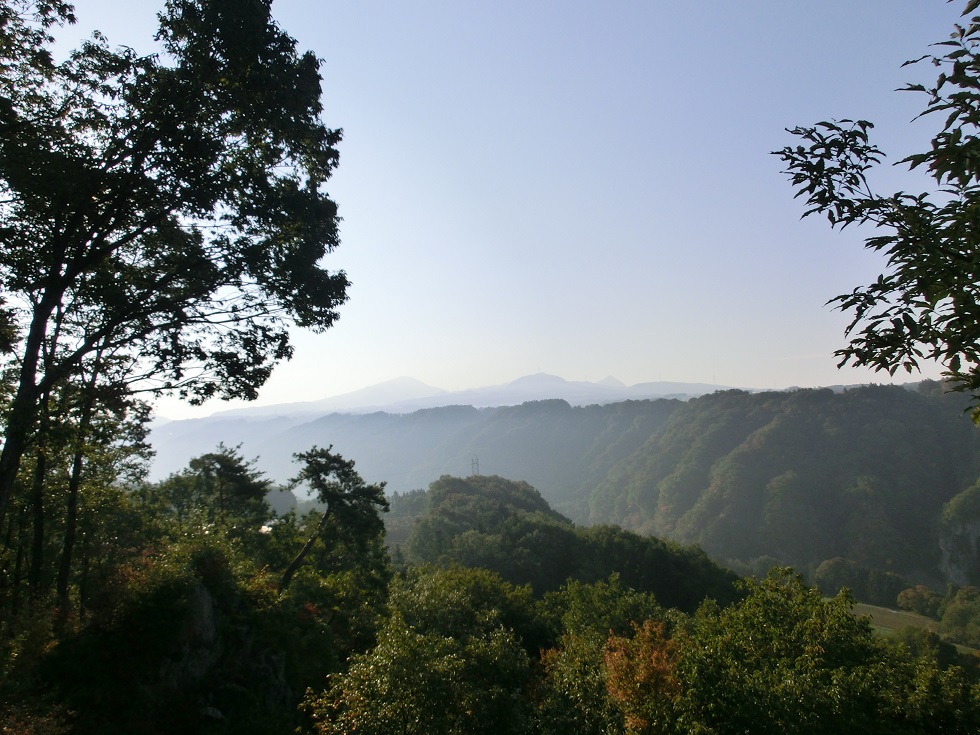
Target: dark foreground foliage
{"points": [[190, 628], [453, 657], [193, 631]]}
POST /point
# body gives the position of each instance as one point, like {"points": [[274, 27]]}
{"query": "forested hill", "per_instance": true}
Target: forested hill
{"points": [[808, 476], [492, 523], [800, 477], [563, 451]]}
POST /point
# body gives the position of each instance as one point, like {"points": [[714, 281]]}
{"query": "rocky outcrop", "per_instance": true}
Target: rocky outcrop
{"points": [[959, 543], [220, 660]]}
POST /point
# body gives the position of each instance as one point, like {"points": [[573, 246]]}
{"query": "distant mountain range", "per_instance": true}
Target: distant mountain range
{"points": [[387, 428], [405, 394], [370, 426]]}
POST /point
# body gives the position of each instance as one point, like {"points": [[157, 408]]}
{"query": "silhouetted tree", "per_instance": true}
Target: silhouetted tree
{"points": [[349, 501], [169, 208]]}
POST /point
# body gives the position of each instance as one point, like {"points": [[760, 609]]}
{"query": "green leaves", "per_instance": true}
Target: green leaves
{"points": [[925, 307], [349, 502], [336, 484], [448, 660], [167, 208], [830, 171]]}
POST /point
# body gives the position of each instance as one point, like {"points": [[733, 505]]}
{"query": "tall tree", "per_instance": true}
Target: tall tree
{"points": [[346, 498], [450, 659], [217, 488], [170, 206], [926, 306]]}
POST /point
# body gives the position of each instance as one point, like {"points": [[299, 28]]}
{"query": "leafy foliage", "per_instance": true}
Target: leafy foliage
{"points": [[218, 487], [448, 660], [575, 696], [961, 617], [154, 653], [805, 477], [784, 660], [920, 599], [349, 501], [874, 586], [175, 207], [505, 526], [163, 210], [928, 645], [183, 623], [925, 306], [642, 677]]}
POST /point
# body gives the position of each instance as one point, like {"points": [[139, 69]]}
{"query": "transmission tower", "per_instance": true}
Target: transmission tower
{"points": [[475, 465]]}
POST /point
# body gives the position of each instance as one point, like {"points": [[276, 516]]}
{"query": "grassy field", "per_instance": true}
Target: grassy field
{"points": [[887, 621]]}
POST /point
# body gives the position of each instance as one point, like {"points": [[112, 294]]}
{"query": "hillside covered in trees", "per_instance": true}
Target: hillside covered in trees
{"points": [[881, 477], [561, 450], [874, 475], [507, 527], [489, 612]]}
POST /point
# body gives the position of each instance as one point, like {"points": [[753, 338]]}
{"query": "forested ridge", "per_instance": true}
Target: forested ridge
{"points": [[507, 527], [562, 450], [805, 476], [874, 475]]}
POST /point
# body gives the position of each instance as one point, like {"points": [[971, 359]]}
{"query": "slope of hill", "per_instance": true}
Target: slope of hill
{"points": [[562, 450], [881, 477], [507, 527], [802, 477]]}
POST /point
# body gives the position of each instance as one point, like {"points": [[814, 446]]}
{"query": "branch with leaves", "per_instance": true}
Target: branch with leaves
{"points": [[348, 500], [170, 203], [926, 305]]}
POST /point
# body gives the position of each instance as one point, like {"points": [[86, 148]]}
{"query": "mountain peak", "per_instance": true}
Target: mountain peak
{"points": [[539, 379], [610, 382]]}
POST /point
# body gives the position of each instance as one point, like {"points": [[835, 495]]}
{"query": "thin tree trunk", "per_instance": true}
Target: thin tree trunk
{"points": [[37, 527], [19, 562], [83, 587], [7, 585], [294, 565], [71, 515], [37, 503]]}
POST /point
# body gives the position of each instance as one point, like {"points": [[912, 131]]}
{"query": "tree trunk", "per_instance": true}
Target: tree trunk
{"points": [[294, 565], [37, 503], [19, 560], [20, 421], [7, 582], [24, 407], [37, 527], [71, 515]]}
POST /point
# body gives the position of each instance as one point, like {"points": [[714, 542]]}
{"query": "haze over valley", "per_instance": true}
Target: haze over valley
{"points": [[791, 477]]}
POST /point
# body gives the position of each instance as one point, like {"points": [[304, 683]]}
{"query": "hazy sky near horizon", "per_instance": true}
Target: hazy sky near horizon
{"points": [[584, 188]]}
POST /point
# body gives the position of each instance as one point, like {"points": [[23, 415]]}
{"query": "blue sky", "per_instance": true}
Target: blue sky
{"points": [[585, 188]]}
